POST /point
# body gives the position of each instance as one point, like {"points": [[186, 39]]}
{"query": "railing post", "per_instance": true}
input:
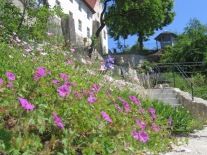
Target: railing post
{"points": [[173, 74], [192, 91]]}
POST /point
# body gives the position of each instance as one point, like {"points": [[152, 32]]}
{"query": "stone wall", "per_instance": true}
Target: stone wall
{"points": [[68, 29], [130, 60], [197, 107]]}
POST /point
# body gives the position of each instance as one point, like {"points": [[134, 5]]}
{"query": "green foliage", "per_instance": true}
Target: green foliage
{"points": [[28, 22], [85, 129], [189, 46], [138, 18]]}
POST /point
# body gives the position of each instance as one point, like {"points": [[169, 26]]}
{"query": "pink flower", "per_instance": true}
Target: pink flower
{"points": [[72, 50], [141, 110], [141, 136], [64, 76], [155, 128], [134, 99], [25, 104], [73, 84], [141, 124], [108, 94], [9, 85], [169, 121], [136, 79], [68, 61], [39, 49], [57, 120], [63, 91], [127, 145], [106, 117], [151, 110], [35, 77], [10, 76], [77, 95], [55, 81], [91, 93], [126, 105], [95, 88], [41, 72], [91, 99], [120, 109], [28, 49], [1, 81], [49, 33]]}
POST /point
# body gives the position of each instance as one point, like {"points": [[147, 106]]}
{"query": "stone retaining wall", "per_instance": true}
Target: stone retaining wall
{"points": [[131, 60], [197, 107]]}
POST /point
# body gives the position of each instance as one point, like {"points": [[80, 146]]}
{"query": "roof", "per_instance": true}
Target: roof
{"points": [[90, 4], [164, 34]]}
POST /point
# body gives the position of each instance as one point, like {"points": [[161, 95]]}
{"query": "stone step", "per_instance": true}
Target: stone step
{"points": [[159, 91], [168, 96]]}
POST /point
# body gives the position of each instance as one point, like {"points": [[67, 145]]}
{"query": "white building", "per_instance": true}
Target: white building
{"points": [[84, 13]]}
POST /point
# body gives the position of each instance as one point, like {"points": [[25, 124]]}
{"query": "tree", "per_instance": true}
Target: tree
{"points": [[190, 46], [138, 17], [102, 25]]}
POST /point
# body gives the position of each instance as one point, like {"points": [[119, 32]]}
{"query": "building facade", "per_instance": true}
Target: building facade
{"points": [[84, 14], [84, 20]]}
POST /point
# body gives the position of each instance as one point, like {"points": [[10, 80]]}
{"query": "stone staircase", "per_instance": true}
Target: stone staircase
{"points": [[167, 95]]}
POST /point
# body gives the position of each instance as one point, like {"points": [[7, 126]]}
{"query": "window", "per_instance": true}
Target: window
{"points": [[88, 14], [71, 14], [104, 34], [80, 25], [88, 32], [79, 6], [71, 1]]}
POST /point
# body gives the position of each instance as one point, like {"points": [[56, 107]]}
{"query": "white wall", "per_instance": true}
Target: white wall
{"points": [[73, 7], [96, 16]]}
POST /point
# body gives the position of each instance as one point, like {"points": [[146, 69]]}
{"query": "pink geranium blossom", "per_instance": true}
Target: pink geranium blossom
{"points": [[126, 105], [10, 76], [39, 49], [41, 72], [65, 77], [106, 116], [1, 81], [141, 124], [155, 128], [134, 99], [96, 88], [63, 91], [151, 110], [141, 136], [91, 99], [91, 93], [55, 81], [68, 61], [169, 121], [25, 104], [9, 85], [57, 120]]}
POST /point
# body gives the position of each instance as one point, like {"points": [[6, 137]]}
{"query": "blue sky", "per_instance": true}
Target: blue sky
{"points": [[185, 10]]}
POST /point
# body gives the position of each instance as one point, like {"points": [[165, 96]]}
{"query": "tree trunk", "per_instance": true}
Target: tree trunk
{"points": [[99, 29], [140, 40]]}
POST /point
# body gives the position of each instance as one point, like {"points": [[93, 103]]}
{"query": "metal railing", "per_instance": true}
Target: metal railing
{"points": [[185, 70]]}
